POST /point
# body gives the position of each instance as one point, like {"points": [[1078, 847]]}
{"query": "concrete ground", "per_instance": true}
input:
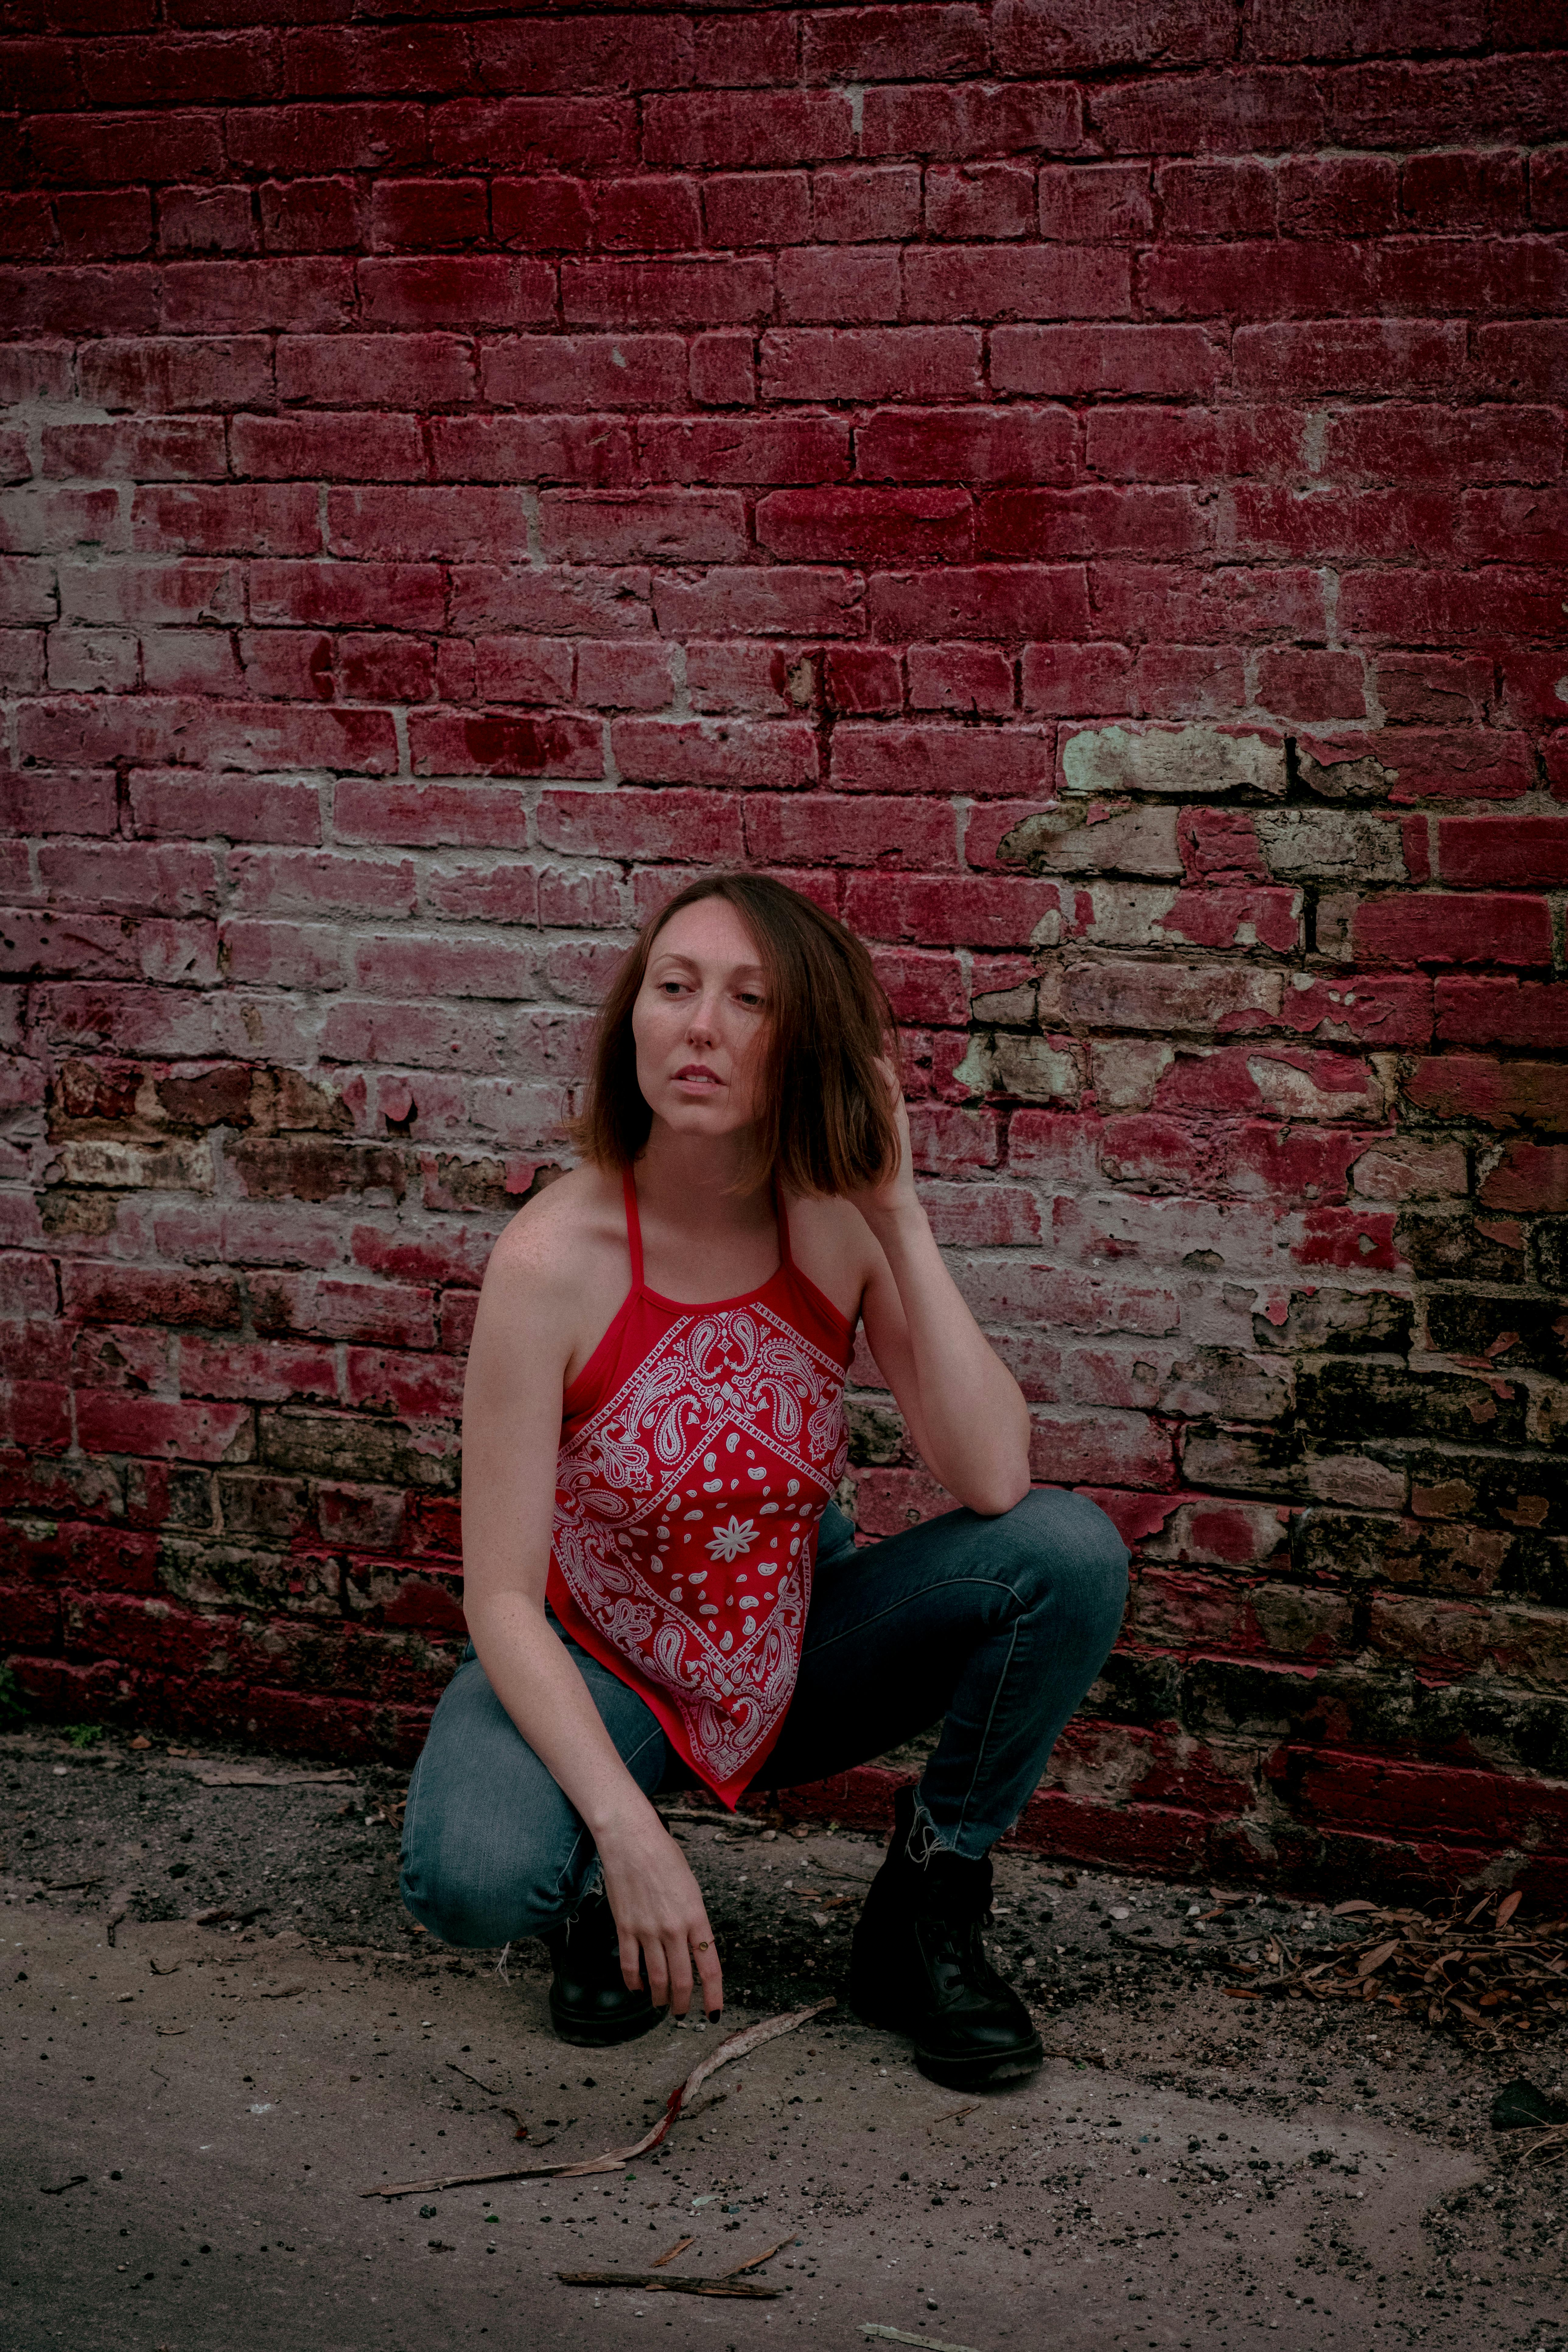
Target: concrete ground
{"points": [[193, 2113]]}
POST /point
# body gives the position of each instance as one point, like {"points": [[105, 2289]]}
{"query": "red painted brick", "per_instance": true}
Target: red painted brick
{"points": [[1096, 203], [309, 216], [977, 444], [544, 210], [174, 69], [1120, 359], [756, 208], [1371, 355], [1295, 683], [533, 133], [1525, 852], [786, 599], [722, 369], [1241, 113], [1500, 1095], [1076, 681], [748, 51], [853, 202], [94, 226], [1433, 688], [664, 293], [157, 450], [973, 679], [467, 292], [1013, 600], [504, 743], [751, 673], [657, 213], [864, 283], [114, 148], [1053, 35], [1099, 520], [671, 526], [728, 129], [866, 525], [990, 763], [1038, 281], [1339, 195], [423, 213], [872, 363], [976, 118], [629, 823], [895, 44], [87, 301], [860, 679], [980, 200], [1221, 199], [1458, 190], [232, 296], [745, 449], [1528, 1177], [1411, 441], [206, 220], [611, 52], [722, 752], [528, 448], [824, 830], [1401, 605], [1549, 187], [237, 517], [1430, 926]]}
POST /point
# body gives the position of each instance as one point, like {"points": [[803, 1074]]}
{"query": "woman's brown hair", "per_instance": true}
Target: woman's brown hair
{"points": [[825, 1121]]}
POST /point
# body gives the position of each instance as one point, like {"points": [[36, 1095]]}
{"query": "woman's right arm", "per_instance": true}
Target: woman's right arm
{"points": [[511, 1435]]}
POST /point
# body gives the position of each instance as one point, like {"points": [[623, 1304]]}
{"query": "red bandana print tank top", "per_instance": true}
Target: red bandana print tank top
{"points": [[699, 1445]]}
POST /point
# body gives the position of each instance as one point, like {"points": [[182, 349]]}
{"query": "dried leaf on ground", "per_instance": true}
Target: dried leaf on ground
{"points": [[1497, 1980]]}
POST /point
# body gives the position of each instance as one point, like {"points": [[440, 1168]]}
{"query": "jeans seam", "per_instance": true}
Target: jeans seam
{"points": [[992, 1583], [986, 1734]]}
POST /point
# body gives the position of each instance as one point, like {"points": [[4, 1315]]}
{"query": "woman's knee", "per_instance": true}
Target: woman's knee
{"points": [[1066, 1552], [480, 1875]]}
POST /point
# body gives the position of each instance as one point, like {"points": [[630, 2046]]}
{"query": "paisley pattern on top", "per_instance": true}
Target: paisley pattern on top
{"points": [[690, 1489]]}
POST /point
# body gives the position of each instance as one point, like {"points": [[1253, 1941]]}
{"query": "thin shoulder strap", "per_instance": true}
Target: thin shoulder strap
{"points": [[633, 1227], [782, 1214]]}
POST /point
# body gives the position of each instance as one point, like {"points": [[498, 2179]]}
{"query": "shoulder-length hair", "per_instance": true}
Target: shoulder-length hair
{"points": [[825, 1121]]}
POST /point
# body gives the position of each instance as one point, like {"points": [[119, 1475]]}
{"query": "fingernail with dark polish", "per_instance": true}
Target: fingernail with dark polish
{"points": [[714, 2015]]}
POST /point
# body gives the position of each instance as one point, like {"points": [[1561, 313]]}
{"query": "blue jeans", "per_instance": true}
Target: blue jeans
{"points": [[997, 1625]]}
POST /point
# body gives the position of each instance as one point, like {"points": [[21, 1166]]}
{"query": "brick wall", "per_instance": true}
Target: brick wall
{"points": [[1079, 488]]}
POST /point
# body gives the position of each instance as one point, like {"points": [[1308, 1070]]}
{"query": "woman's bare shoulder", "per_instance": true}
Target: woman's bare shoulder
{"points": [[554, 1238], [831, 1243]]}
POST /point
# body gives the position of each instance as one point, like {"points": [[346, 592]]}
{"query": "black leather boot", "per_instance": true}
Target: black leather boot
{"points": [[589, 2001], [918, 1965]]}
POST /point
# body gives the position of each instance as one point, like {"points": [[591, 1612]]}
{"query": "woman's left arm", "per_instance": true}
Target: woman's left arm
{"points": [[965, 1410]]}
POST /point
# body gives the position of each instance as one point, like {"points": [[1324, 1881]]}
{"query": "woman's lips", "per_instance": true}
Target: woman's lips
{"points": [[695, 1076]]}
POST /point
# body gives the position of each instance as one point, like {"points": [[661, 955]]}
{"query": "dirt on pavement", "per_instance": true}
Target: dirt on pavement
{"points": [[195, 2107]]}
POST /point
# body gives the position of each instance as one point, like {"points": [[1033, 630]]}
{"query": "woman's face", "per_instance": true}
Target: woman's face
{"points": [[700, 1022]]}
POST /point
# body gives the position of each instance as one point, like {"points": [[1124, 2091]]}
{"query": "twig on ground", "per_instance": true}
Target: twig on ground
{"points": [[755, 2262], [667, 2283], [59, 2188], [738, 2047], [490, 2090], [678, 2248], [953, 2115], [901, 2336]]}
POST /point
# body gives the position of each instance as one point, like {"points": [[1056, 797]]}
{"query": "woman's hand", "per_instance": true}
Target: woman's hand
{"points": [[894, 1192], [662, 1918]]}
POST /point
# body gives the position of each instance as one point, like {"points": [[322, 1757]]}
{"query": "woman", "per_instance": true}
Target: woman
{"points": [[658, 1587]]}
